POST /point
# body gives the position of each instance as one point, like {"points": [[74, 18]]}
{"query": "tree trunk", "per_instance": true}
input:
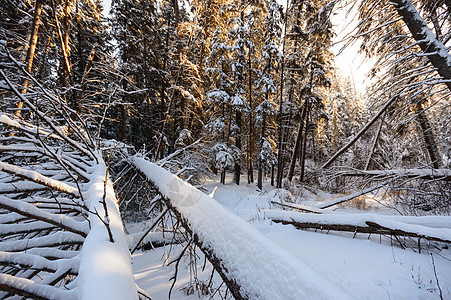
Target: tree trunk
{"points": [[435, 51], [280, 156], [304, 142], [238, 88], [175, 5], [65, 51], [87, 69], [297, 144], [272, 175], [40, 72], [163, 80], [250, 170], [123, 108], [31, 50], [428, 138], [149, 134], [373, 148], [237, 171], [223, 174], [206, 26], [123, 122], [260, 161]]}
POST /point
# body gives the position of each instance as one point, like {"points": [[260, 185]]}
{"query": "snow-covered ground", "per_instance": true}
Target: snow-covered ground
{"points": [[365, 268]]}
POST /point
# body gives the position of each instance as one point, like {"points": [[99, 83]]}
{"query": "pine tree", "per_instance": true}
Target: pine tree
{"points": [[311, 31], [271, 56]]}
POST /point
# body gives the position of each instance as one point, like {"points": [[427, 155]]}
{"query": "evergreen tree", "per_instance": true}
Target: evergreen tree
{"points": [[311, 32], [270, 59]]}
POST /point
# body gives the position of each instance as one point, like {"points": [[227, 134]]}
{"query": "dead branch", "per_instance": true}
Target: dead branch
{"points": [[155, 223], [88, 152], [355, 195], [32, 212], [33, 262], [38, 178], [30, 289], [298, 207], [177, 262]]}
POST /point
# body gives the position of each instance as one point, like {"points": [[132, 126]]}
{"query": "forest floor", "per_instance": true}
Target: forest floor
{"points": [[366, 267]]}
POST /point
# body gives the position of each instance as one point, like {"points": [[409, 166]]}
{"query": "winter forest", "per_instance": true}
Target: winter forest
{"points": [[218, 149]]}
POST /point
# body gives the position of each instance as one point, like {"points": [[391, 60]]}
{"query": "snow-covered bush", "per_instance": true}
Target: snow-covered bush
{"points": [[268, 158], [184, 139], [223, 156]]}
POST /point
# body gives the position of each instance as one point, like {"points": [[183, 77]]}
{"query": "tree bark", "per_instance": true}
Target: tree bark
{"points": [[280, 156], [123, 108], [304, 142], [237, 171], [435, 51], [175, 5], [238, 88], [250, 171], [31, 50], [260, 161], [373, 148], [297, 144], [65, 51], [223, 174], [428, 138], [123, 122]]}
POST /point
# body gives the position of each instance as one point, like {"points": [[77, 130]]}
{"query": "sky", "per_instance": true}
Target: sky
{"points": [[352, 65], [107, 6]]}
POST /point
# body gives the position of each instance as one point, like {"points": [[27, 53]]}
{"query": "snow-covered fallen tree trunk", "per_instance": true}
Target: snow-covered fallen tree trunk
{"points": [[429, 174], [105, 268], [252, 266], [430, 228]]}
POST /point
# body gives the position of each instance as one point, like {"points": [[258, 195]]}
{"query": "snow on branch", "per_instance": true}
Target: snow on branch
{"points": [[38, 178], [432, 47], [40, 263], [85, 150], [22, 126], [50, 240], [105, 269], [31, 211], [20, 187], [30, 289], [46, 232], [432, 174], [365, 223]]}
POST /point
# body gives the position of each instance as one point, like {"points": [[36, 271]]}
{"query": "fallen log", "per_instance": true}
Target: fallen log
{"points": [[428, 174], [359, 223]]}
